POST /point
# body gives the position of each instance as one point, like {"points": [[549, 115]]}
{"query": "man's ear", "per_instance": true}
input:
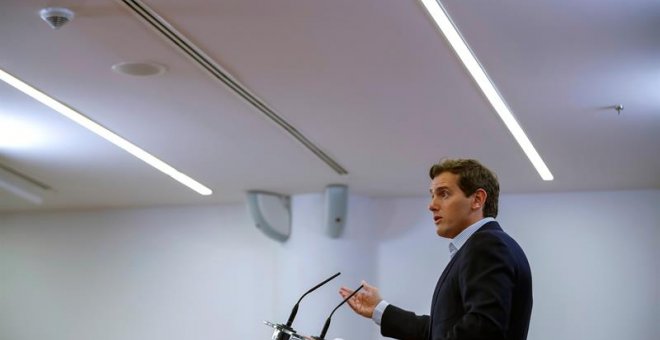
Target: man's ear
{"points": [[479, 199]]}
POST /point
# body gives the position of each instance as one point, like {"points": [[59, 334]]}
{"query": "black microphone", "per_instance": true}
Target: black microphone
{"points": [[285, 332], [294, 311], [327, 322]]}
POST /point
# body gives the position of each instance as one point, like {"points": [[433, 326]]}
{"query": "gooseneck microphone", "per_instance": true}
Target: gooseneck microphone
{"points": [[285, 332], [294, 311], [327, 322]]}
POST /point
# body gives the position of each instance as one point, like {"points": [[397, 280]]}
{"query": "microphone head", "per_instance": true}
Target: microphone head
{"points": [[325, 327], [292, 316]]}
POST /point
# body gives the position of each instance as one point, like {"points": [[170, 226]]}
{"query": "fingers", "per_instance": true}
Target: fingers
{"points": [[364, 301], [345, 292], [366, 289], [353, 302], [354, 306]]}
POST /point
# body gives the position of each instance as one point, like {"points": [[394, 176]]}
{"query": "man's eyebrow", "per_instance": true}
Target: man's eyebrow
{"points": [[442, 187]]}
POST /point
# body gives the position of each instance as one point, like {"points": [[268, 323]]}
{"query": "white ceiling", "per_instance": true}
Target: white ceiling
{"points": [[370, 82]]}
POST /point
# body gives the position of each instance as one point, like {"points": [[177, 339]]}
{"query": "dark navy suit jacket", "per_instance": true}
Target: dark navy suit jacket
{"points": [[485, 292]]}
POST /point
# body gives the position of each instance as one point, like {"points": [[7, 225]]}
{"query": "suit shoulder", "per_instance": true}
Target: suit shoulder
{"points": [[485, 243], [490, 236], [492, 240]]}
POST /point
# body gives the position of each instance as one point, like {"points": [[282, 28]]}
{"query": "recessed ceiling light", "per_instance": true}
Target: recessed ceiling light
{"points": [[469, 60], [139, 68]]}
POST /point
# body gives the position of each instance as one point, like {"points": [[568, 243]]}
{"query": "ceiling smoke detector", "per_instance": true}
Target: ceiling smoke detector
{"points": [[56, 17]]}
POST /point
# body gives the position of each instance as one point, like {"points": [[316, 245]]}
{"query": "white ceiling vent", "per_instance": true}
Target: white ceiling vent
{"points": [[168, 32]]}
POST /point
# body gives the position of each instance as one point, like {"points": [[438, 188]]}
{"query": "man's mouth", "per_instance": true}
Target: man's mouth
{"points": [[436, 219]]}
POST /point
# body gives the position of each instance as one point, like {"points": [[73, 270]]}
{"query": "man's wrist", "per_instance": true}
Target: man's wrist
{"points": [[377, 315]]}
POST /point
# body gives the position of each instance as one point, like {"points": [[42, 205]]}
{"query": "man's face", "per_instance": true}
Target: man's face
{"points": [[452, 210]]}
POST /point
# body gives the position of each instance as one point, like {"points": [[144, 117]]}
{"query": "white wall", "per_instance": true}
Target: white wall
{"points": [[594, 258], [162, 273], [176, 273], [207, 273]]}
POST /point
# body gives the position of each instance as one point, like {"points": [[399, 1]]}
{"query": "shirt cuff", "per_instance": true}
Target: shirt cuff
{"points": [[379, 310]]}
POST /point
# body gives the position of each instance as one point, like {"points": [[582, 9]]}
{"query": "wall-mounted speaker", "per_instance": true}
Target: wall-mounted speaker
{"points": [[271, 213], [336, 205]]}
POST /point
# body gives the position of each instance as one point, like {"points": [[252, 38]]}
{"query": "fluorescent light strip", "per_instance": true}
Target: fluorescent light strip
{"points": [[473, 66], [105, 133]]}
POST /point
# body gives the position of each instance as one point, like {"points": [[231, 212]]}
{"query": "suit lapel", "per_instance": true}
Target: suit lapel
{"points": [[488, 226], [441, 280]]}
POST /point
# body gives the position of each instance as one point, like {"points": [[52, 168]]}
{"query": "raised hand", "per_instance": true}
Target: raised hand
{"points": [[365, 301]]}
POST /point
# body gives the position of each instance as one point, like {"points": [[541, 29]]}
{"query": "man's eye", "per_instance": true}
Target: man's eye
{"points": [[444, 194]]}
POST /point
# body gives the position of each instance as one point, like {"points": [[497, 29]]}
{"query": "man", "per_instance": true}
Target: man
{"points": [[485, 292]]}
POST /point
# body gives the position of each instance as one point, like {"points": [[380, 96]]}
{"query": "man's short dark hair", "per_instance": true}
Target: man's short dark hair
{"points": [[472, 175]]}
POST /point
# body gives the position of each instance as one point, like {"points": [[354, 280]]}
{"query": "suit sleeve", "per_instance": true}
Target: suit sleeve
{"points": [[486, 280], [402, 324]]}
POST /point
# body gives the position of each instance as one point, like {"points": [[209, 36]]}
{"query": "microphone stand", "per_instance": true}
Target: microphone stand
{"points": [[284, 331], [327, 321]]}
